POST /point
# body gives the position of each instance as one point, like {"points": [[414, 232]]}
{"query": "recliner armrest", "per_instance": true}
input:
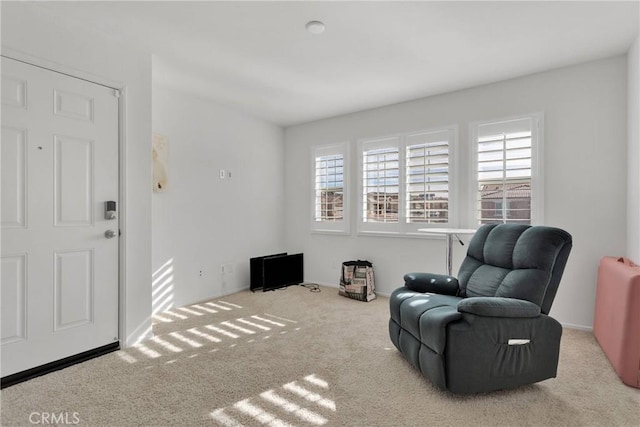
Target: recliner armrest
{"points": [[428, 282], [498, 307]]}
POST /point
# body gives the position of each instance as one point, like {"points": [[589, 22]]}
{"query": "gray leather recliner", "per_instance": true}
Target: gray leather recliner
{"points": [[488, 329]]}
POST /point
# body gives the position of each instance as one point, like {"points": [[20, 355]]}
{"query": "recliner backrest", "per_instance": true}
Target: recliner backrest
{"points": [[515, 261]]}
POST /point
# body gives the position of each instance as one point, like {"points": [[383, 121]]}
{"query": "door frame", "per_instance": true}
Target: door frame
{"points": [[122, 89]]}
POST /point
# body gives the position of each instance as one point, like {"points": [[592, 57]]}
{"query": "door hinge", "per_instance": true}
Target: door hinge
{"points": [[116, 93]]}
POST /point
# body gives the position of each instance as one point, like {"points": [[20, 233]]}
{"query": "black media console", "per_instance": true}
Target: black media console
{"points": [[276, 271]]}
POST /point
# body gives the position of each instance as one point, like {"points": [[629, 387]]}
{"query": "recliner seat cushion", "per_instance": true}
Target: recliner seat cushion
{"points": [[424, 316], [412, 309]]}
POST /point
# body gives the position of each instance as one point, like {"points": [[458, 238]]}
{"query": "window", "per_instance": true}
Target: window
{"points": [[405, 182], [507, 176], [329, 204]]}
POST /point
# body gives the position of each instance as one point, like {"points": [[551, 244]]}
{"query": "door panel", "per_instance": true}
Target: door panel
{"points": [[14, 292], [73, 289], [14, 178], [14, 92], [73, 170], [59, 165], [73, 105]]}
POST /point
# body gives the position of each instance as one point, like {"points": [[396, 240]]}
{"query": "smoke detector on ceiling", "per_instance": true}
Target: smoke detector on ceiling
{"points": [[315, 27]]}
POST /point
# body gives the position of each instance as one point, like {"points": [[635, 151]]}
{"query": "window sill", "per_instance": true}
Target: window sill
{"points": [[407, 235], [331, 232]]}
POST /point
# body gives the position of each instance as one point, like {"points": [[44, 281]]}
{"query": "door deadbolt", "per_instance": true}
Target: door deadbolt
{"points": [[110, 210]]}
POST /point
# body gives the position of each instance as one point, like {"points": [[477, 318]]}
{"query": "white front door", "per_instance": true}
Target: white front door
{"points": [[59, 165]]}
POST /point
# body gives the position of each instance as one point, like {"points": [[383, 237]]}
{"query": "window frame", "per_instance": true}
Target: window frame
{"points": [[537, 165], [341, 227], [402, 228]]}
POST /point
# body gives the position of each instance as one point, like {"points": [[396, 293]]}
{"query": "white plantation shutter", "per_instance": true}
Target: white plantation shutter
{"points": [[329, 189], [505, 168], [427, 178], [380, 189], [405, 182]]}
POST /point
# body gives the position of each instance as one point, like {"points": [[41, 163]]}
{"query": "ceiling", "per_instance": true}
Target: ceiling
{"points": [[258, 57]]}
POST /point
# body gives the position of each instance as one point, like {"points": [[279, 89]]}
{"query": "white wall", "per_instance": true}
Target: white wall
{"points": [[203, 222], [585, 137], [30, 34], [633, 169]]}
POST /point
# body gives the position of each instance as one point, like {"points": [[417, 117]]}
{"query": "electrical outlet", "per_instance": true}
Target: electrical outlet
{"points": [[200, 273], [223, 173]]}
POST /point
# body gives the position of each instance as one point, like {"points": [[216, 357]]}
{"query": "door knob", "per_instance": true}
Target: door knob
{"points": [[110, 234]]}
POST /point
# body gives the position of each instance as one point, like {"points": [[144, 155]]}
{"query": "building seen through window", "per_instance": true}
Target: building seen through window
{"points": [[505, 203]]}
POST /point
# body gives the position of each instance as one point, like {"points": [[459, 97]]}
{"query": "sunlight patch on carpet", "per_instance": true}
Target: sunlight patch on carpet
{"points": [[218, 306], [280, 318], [185, 340], [310, 396], [238, 328], [167, 345], [228, 303], [255, 325], [206, 335], [222, 331], [286, 406], [151, 354], [203, 308], [162, 318], [200, 334], [260, 414], [271, 322], [162, 300], [126, 357], [176, 315], [316, 381], [224, 419], [188, 310]]}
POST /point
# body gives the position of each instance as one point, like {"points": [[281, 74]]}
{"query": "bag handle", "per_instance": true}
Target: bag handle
{"points": [[358, 263]]}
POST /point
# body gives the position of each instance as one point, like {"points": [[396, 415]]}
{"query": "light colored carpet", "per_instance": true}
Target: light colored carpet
{"points": [[293, 357]]}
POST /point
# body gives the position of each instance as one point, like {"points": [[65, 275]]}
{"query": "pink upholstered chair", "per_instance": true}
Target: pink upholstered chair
{"points": [[616, 323]]}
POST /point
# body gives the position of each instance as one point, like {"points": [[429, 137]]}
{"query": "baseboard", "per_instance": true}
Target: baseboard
{"points": [[38, 371], [226, 292], [319, 283], [334, 285], [577, 327]]}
